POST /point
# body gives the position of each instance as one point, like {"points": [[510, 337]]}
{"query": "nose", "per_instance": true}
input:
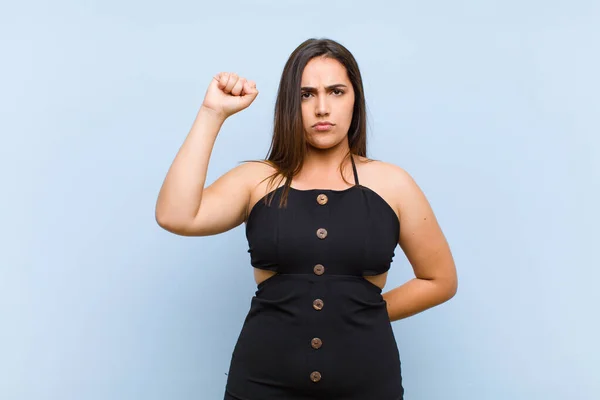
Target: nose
{"points": [[321, 107]]}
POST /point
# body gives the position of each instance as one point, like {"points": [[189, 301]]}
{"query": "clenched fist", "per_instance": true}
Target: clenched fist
{"points": [[228, 93]]}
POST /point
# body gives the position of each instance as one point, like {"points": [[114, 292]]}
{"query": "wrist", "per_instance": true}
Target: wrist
{"points": [[216, 116]]}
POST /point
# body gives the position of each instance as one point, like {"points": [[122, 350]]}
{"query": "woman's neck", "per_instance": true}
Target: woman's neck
{"points": [[322, 168]]}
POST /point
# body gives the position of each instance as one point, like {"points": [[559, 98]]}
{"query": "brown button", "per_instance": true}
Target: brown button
{"points": [[321, 233], [315, 376], [318, 304], [322, 199], [319, 269], [316, 343]]}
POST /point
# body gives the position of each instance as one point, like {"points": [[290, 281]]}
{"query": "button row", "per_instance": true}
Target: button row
{"points": [[318, 304], [316, 343]]}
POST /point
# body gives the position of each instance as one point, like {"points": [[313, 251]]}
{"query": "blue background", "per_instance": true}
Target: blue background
{"points": [[492, 106]]}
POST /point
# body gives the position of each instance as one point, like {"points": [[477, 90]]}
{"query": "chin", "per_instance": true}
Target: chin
{"points": [[324, 143]]}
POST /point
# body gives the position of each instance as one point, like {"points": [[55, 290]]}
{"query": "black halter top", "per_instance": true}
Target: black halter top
{"points": [[350, 232]]}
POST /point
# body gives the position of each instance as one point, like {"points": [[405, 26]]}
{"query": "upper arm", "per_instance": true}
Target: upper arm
{"points": [[421, 237], [224, 202]]}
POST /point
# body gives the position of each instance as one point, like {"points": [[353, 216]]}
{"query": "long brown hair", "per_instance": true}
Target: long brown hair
{"points": [[288, 145]]}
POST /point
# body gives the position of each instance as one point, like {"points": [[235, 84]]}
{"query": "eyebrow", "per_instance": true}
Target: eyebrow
{"points": [[312, 89]]}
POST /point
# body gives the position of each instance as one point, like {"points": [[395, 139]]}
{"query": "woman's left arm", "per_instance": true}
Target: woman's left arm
{"points": [[426, 249]]}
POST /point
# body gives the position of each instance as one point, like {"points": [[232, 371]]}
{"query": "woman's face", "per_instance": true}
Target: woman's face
{"points": [[327, 102]]}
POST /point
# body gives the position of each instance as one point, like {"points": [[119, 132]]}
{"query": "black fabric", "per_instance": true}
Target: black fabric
{"points": [[359, 359]]}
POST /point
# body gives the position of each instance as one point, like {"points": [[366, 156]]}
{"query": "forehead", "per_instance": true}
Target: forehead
{"points": [[324, 71]]}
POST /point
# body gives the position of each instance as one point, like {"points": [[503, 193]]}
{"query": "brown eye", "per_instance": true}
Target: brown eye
{"points": [[338, 92], [304, 95]]}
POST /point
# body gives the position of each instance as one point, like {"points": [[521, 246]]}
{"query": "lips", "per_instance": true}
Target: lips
{"points": [[323, 124], [323, 127]]}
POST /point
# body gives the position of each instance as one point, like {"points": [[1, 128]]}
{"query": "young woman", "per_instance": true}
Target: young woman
{"points": [[322, 223]]}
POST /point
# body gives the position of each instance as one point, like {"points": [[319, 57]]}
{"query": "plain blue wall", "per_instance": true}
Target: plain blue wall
{"points": [[492, 106]]}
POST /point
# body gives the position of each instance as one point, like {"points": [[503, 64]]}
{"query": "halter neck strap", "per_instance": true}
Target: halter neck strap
{"points": [[354, 170]]}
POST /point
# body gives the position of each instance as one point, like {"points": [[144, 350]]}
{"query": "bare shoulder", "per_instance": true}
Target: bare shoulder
{"points": [[392, 182], [383, 171], [245, 177], [257, 172], [413, 207], [252, 172]]}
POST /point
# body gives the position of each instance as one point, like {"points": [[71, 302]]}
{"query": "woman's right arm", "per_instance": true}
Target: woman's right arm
{"points": [[184, 206]]}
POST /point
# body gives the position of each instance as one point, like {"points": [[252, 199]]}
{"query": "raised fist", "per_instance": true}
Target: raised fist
{"points": [[228, 93]]}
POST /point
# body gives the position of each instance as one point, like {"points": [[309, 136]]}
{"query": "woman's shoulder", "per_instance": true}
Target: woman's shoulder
{"points": [[255, 172], [382, 171], [258, 166], [391, 181]]}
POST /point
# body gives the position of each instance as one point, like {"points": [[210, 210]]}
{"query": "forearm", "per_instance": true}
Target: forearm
{"points": [[417, 295], [181, 193]]}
